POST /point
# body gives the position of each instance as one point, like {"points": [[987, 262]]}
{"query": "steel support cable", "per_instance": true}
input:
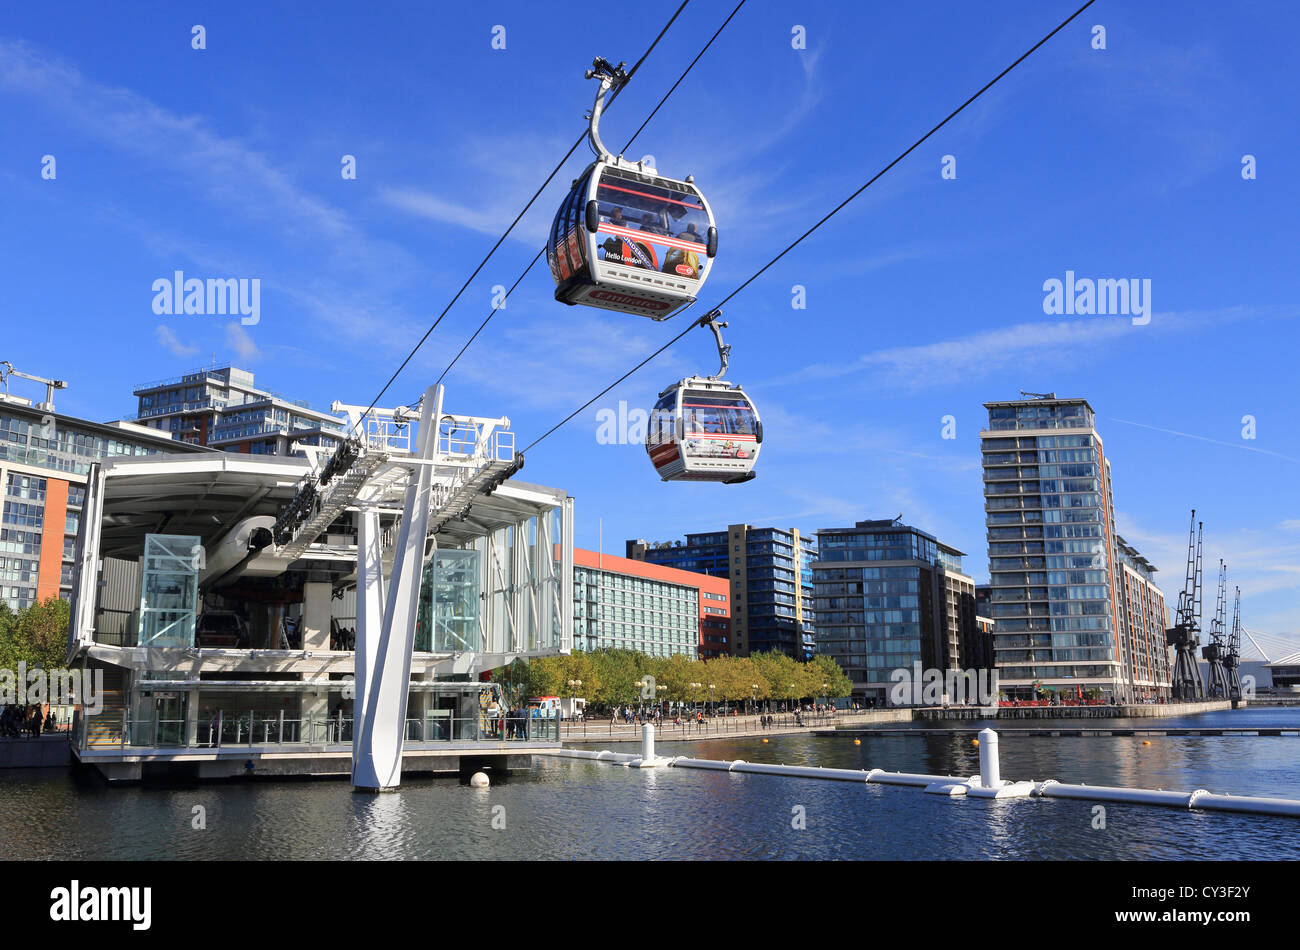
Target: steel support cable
{"points": [[518, 217], [640, 129], [793, 244]]}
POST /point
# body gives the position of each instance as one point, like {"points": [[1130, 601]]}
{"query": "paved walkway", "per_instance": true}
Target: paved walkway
{"points": [[720, 727]]}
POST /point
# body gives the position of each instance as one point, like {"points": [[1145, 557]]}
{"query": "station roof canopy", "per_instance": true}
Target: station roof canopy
{"points": [[200, 495], [206, 495], [510, 503]]}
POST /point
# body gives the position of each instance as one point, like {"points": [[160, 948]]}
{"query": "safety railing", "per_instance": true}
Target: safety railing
{"points": [[688, 727], [225, 730]]}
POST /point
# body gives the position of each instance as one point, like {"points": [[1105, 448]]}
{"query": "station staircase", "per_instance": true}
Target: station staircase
{"points": [[105, 727]]}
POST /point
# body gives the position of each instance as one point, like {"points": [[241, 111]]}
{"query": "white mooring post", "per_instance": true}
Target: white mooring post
{"points": [[648, 742], [989, 772]]}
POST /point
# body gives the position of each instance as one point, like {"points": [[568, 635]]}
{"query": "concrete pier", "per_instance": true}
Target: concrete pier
{"points": [[46, 752], [452, 758]]}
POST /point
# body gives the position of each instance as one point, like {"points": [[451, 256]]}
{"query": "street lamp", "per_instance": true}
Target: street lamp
{"points": [[754, 704], [713, 706], [574, 686]]}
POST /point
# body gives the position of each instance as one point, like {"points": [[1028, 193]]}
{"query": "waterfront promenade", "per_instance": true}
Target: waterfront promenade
{"points": [[728, 727], [894, 721]]}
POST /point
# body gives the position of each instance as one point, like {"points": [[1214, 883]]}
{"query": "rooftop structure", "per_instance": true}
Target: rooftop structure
{"points": [[221, 407]]}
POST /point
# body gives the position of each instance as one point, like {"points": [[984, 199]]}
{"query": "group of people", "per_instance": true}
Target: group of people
{"points": [[17, 721], [634, 253], [518, 722], [652, 224]]}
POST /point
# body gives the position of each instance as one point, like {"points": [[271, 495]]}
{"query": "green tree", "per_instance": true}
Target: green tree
{"points": [[36, 635], [826, 670], [779, 672], [618, 677]]}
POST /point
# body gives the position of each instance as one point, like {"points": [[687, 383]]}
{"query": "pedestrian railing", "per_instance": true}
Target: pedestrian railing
{"points": [[223, 730], [667, 730]]}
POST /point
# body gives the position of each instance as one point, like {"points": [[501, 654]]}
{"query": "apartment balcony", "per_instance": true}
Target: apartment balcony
{"points": [[200, 406]]}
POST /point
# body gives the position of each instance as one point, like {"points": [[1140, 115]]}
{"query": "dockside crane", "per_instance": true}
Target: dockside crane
{"points": [[50, 384], [1184, 635], [1232, 660], [1215, 652]]}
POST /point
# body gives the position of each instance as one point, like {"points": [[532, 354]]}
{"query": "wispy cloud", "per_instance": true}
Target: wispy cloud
{"points": [[224, 171], [490, 221], [566, 359], [172, 343], [1019, 346], [237, 339]]}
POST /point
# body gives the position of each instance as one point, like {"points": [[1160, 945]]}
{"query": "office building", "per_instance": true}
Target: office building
{"points": [[769, 573], [1067, 621], [221, 408], [635, 605], [890, 596], [44, 459]]}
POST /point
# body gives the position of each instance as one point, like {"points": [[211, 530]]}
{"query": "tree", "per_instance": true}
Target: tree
{"points": [[36, 635], [780, 672], [618, 677], [578, 666], [826, 670]]}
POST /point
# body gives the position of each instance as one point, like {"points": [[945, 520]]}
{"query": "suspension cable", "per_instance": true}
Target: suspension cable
{"points": [[533, 263], [874, 178], [506, 234]]}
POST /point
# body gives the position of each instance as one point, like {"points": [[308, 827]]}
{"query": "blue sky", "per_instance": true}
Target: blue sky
{"points": [[924, 297]]}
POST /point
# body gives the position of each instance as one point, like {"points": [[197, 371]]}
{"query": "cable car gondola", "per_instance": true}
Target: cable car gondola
{"points": [[703, 428], [626, 238]]}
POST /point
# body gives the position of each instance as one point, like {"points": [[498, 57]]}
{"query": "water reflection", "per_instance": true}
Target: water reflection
{"points": [[566, 809]]}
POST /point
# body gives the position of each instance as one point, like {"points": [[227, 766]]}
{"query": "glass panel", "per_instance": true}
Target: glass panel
{"points": [[718, 425], [449, 602], [661, 226], [168, 590]]}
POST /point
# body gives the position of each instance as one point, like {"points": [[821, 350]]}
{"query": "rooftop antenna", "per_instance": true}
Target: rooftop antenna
{"points": [[1038, 395]]}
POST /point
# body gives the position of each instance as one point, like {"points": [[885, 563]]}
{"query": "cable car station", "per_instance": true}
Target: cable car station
{"points": [[285, 616]]}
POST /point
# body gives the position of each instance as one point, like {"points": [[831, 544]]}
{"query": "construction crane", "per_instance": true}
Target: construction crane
{"points": [[1184, 635], [1216, 651], [1233, 658], [50, 384]]}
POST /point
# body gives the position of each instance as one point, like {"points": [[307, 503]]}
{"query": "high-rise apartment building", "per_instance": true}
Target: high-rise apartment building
{"points": [[1067, 619], [890, 596], [221, 408], [769, 572], [1143, 619]]}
